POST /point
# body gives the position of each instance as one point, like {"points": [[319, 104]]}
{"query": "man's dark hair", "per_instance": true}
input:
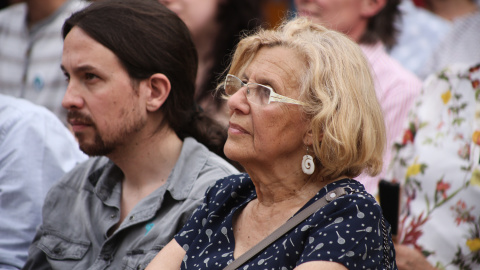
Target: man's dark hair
{"points": [[382, 25], [148, 38]]}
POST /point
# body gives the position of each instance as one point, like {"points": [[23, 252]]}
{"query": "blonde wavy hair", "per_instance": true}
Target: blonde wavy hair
{"points": [[345, 117]]}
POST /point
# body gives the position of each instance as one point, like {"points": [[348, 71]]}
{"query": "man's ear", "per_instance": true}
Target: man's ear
{"points": [[371, 8], [159, 89]]}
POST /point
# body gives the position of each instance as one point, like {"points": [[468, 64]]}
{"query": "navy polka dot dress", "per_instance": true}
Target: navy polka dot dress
{"points": [[347, 230]]}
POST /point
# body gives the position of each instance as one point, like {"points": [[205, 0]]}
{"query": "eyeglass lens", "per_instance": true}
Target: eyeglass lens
{"points": [[255, 93]]}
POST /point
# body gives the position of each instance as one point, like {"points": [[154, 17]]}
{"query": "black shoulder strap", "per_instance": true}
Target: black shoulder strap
{"points": [[286, 227]]}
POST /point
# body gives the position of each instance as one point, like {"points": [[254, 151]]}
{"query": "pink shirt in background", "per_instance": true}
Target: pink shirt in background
{"points": [[396, 89]]}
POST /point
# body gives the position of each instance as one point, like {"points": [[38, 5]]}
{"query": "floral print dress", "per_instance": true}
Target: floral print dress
{"points": [[438, 164]]}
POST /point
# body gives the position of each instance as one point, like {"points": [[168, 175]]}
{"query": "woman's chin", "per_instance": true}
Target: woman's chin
{"points": [[233, 152]]}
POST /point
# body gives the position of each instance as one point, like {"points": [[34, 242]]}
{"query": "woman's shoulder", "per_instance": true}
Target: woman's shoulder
{"points": [[236, 183], [231, 188], [351, 186], [346, 229], [355, 201]]}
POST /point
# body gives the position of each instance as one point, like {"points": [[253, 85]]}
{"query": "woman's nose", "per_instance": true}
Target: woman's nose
{"points": [[239, 102]]}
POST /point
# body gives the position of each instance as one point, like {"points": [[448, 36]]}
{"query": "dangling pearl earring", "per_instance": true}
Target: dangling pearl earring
{"points": [[308, 166]]}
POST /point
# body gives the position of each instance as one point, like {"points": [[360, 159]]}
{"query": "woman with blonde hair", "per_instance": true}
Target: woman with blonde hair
{"points": [[304, 121]]}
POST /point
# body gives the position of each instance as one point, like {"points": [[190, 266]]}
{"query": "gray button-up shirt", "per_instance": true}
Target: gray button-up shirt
{"points": [[85, 205]]}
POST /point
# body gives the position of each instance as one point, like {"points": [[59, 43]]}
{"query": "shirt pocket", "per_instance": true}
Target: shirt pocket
{"points": [[61, 248]]}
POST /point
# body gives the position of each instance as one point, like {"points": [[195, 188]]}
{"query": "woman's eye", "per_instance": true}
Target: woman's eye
{"points": [[265, 92]]}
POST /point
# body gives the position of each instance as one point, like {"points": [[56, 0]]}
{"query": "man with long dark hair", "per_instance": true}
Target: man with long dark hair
{"points": [[130, 67]]}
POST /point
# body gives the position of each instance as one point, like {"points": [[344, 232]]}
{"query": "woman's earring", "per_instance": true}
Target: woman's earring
{"points": [[308, 166]]}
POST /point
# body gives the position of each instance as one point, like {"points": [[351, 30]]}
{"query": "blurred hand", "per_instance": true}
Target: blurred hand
{"points": [[410, 259]]}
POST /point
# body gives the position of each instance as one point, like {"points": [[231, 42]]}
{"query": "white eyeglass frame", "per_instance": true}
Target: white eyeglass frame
{"points": [[274, 97]]}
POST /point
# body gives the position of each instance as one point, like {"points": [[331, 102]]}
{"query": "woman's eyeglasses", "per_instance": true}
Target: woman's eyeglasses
{"points": [[256, 93]]}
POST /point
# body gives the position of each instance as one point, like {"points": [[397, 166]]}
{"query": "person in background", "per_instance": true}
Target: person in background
{"points": [[371, 23], [216, 27], [461, 43], [437, 164], [31, 51], [420, 33], [304, 120], [130, 67], [6, 3], [36, 150], [451, 9]]}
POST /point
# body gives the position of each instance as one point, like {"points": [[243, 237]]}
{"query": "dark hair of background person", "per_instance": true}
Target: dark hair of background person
{"points": [[6, 3], [236, 18], [382, 25], [3, 4], [152, 42]]}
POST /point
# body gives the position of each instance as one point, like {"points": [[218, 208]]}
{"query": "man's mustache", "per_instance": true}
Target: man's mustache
{"points": [[75, 117]]}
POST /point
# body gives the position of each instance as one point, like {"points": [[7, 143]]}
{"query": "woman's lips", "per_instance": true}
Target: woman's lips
{"points": [[236, 129]]}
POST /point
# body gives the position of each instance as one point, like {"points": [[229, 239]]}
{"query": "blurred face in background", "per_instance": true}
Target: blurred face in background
{"points": [[346, 16], [198, 15]]}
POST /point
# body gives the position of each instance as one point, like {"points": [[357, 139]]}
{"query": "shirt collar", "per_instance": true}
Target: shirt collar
{"points": [[192, 159], [373, 52]]}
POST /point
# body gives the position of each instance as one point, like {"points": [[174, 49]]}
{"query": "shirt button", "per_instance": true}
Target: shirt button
{"points": [[113, 216], [140, 267], [131, 217], [107, 257], [57, 250]]}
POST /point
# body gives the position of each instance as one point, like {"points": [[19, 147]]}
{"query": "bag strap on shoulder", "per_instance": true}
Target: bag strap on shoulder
{"points": [[286, 227]]}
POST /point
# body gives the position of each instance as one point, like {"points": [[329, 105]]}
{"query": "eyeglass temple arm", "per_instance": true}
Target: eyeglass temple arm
{"points": [[279, 98]]}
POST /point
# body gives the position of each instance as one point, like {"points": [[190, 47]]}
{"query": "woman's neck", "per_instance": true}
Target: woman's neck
{"points": [[290, 189]]}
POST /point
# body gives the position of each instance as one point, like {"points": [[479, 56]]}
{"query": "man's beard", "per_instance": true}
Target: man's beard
{"points": [[103, 145], [98, 148]]}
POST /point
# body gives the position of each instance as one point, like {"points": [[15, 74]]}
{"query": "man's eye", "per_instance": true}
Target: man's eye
{"points": [[90, 76]]}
